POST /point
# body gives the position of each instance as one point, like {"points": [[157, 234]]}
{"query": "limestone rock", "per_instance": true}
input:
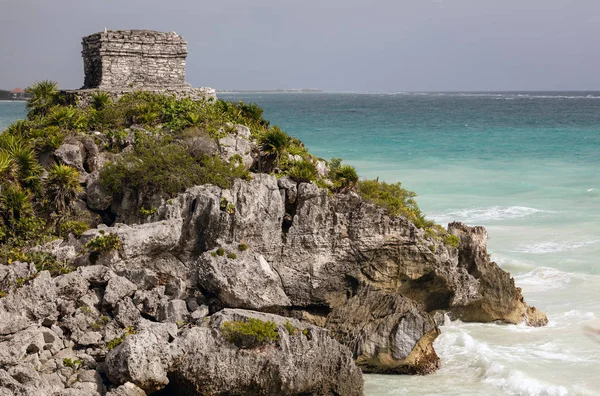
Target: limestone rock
{"points": [[143, 359], [498, 298], [97, 197], [386, 332], [237, 144], [17, 270], [247, 281], [298, 364], [29, 305], [116, 289], [71, 154], [127, 389]]}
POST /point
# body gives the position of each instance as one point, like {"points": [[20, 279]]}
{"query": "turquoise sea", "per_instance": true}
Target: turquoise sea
{"points": [[525, 165]]}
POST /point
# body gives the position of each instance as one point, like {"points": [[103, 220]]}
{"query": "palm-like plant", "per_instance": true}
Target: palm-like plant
{"points": [[100, 100], [62, 185], [24, 165], [44, 95], [15, 203], [7, 167], [346, 176], [18, 128], [275, 142]]}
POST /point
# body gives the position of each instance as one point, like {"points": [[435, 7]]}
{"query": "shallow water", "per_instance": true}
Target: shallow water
{"points": [[524, 165]]}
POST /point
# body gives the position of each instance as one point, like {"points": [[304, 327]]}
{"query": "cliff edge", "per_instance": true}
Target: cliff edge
{"points": [[198, 257]]}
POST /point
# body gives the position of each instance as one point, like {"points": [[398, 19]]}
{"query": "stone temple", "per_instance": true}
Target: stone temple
{"points": [[118, 62]]}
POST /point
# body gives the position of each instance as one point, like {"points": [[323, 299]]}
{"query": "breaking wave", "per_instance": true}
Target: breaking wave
{"points": [[493, 213], [553, 247]]}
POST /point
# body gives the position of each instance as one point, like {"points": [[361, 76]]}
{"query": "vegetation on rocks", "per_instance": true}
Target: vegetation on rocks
{"points": [[103, 244], [161, 146], [252, 333]]}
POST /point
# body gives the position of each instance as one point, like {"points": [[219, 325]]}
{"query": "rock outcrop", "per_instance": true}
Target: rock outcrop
{"points": [[346, 284]]}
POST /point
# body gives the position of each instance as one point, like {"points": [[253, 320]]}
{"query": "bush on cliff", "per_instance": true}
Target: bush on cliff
{"points": [[395, 199], [44, 95], [164, 166], [251, 334], [62, 186]]}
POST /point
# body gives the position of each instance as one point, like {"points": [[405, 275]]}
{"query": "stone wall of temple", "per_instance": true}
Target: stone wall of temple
{"points": [[140, 59]]}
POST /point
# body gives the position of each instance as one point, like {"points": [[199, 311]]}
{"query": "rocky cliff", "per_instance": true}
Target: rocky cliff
{"points": [[347, 287]]}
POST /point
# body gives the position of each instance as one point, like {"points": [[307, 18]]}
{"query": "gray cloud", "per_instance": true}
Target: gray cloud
{"points": [[378, 45]]}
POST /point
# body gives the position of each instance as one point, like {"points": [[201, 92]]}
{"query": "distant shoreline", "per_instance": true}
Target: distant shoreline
{"points": [[300, 90]]}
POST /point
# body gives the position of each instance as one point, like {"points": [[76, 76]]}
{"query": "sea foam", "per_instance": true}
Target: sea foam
{"points": [[554, 247], [493, 213]]}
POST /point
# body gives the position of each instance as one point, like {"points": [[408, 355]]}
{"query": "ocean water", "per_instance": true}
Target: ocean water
{"points": [[524, 165]]}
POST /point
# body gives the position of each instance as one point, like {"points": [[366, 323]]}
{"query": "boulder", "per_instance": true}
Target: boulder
{"points": [[29, 305], [386, 332], [237, 144], [71, 154], [143, 359], [247, 281], [98, 198], [304, 360], [497, 297]]}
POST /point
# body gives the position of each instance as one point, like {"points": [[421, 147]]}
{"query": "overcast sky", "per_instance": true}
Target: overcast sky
{"points": [[335, 45]]}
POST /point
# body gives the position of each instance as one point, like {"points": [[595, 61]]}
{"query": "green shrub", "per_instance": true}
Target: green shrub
{"points": [[302, 171], [275, 142], [159, 165], [432, 248], [250, 334], [103, 244], [44, 95], [395, 199], [115, 342], [18, 222], [74, 227], [451, 240], [62, 185], [67, 118], [155, 166], [220, 252], [74, 364], [112, 344], [232, 256], [291, 329], [100, 100], [148, 212], [47, 138], [242, 247]]}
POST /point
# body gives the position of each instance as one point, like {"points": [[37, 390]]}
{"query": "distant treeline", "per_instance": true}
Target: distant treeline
{"points": [[6, 95]]}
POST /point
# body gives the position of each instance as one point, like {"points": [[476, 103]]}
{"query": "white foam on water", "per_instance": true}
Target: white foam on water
{"points": [[554, 247], [544, 278], [461, 353], [492, 213]]}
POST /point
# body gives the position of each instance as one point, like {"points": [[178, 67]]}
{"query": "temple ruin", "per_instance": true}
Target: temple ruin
{"points": [[118, 62]]}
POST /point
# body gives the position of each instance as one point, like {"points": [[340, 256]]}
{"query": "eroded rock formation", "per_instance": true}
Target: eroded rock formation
{"points": [[359, 286]]}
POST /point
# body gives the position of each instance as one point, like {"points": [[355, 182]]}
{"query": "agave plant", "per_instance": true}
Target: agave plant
{"points": [[100, 100], [15, 203], [18, 128], [62, 185], [25, 167], [66, 117], [275, 142], [44, 95], [346, 176], [7, 167]]}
